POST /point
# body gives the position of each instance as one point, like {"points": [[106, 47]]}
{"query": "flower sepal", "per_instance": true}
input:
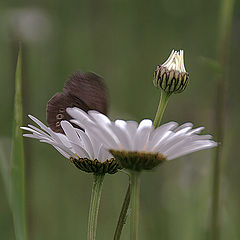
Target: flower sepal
{"points": [[109, 166], [138, 161]]}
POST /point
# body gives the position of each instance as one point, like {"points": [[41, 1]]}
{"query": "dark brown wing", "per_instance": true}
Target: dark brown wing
{"points": [[56, 109], [90, 88]]}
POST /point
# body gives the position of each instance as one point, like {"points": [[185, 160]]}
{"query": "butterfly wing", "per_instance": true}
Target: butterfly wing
{"points": [[56, 110], [90, 88], [83, 90]]}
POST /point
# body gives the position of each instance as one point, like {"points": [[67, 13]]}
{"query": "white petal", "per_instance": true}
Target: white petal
{"points": [[94, 142], [174, 138], [32, 136], [31, 130], [196, 130], [131, 128], [79, 123], [79, 115], [159, 132], [37, 129], [142, 136], [187, 124], [66, 155], [80, 151], [177, 146], [103, 154], [39, 123], [169, 58], [191, 149], [99, 117], [145, 123], [62, 140], [87, 144], [157, 146], [65, 149], [106, 136], [119, 129], [70, 132]]}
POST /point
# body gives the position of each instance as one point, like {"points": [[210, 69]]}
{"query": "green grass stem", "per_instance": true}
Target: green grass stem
{"points": [[225, 23], [17, 163]]}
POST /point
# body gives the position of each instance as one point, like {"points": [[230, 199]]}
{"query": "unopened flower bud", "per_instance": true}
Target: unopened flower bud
{"points": [[171, 76]]}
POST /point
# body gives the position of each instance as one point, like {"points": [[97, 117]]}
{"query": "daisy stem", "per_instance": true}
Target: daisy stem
{"points": [[161, 108], [135, 191], [123, 215], [94, 205]]}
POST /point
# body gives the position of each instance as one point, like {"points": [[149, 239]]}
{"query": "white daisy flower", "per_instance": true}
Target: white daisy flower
{"points": [[80, 147], [141, 146], [172, 76]]}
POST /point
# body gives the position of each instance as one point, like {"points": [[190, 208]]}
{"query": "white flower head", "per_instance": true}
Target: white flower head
{"points": [[141, 146], [175, 62], [172, 76], [80, 147]]}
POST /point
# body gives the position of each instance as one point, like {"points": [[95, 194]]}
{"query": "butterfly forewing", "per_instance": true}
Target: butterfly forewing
{"points": [[90, 88], [83, 90]]}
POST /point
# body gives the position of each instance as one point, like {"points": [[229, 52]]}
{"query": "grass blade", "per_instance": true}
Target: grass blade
{"points": [[17, 164]]}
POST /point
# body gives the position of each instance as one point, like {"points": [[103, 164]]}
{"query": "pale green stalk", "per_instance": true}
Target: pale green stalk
{"points": [[161, 108], [135, 191], [94, 205], [226, 15], [123, 214], [17, 163]]}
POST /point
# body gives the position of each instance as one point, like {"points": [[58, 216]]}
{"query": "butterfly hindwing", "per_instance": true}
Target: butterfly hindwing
{"points": [[56, 110]]}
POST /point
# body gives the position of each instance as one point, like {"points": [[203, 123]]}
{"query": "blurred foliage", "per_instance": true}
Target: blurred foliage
{"points": [[123, 41]]}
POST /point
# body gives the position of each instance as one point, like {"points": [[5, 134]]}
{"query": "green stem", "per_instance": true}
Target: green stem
{"points": [[94, 205], [135, 190], [17, 197], [226, 15], [161, 108], [123, 215]]}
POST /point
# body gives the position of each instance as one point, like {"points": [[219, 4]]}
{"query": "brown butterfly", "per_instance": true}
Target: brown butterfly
{"points": [[83, 90]]}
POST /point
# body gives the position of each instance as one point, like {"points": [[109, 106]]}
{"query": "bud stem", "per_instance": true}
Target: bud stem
{"points": [[94, 205], [135, 190], [161, 108]]}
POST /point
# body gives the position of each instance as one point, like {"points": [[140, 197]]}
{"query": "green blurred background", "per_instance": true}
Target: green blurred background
{"points": [[122, 41]]}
